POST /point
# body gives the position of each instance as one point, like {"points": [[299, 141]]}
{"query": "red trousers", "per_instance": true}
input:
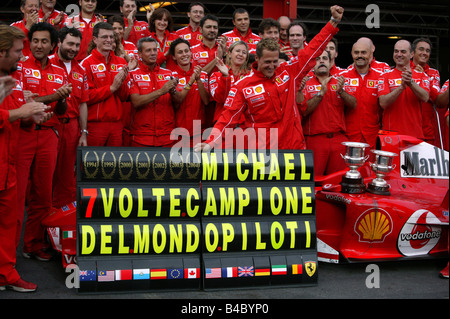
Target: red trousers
{"points": [[8, 224], [327, 150], [36, 161], [64, 178], [105, 133]]}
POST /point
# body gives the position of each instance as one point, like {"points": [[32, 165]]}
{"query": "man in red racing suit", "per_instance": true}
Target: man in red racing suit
{"points": [[266, 96]]}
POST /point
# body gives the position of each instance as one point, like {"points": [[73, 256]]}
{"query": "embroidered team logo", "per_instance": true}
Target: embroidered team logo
{"points": [[352, 82], [55, 78], [254, 90], [77, 76], [282, 78], [96, 68], [32, 73], [314, 88], [371, 84], [142, 77], [395, 82]]}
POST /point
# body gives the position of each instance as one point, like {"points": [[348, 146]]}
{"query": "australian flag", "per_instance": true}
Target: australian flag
{"points": [[88, 275]]}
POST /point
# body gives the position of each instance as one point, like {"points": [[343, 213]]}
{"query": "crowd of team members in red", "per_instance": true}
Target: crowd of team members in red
{"points": [[90, 81]]}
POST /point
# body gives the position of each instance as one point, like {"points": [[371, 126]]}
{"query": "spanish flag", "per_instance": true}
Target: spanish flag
{"points": [[158, 273]]}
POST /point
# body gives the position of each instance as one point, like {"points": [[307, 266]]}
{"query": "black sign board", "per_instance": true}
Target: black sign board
{"points": [[151, 219]]}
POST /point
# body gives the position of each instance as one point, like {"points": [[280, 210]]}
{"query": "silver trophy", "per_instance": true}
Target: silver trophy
{"points": [[383, 165], [352, 182]]}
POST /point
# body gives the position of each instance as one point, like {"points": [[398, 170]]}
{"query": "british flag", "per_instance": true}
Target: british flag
{"points": [[246, 271]]}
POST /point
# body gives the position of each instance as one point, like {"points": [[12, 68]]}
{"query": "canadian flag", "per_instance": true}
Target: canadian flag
{"points": [[190, 273]]}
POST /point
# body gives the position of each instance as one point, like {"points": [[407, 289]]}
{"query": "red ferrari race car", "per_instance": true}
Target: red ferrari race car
{"points": [[393, 206], [400, 210]]}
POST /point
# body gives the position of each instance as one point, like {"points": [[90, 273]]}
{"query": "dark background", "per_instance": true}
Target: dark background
{"points": [[409, 19]]}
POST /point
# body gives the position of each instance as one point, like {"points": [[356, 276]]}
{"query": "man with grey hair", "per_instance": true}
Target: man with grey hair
{"points": [[151, 94]]}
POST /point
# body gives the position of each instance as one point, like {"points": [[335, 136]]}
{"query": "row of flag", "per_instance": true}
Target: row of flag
{"points": [[139, 274], [194, 273], [250, 271]]}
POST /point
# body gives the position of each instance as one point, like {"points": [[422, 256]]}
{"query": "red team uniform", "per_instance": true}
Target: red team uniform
{"points": [[37, 154], [187, 33], [105, 109], [64, 179], [152, 123], [405, 114], [364, 122], [324, 128], [192, 108], [269, 103], [52, 17], [140, 30], [250, 38], [9, 133]]}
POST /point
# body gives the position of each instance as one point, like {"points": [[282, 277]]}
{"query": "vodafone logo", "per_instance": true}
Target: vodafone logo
{"points": [[416, 237]]}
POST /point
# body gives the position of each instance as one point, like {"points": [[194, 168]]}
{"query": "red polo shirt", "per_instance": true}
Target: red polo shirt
{"points": [[80, 87], [430, 122], [43, 81], [52, 17], [364, 122], [250, 38], [202, 54], [187, 33], [192, 107], [328, 117], [405, 114], [152, 123], [103, 105], [140, 30], [130, 49]]}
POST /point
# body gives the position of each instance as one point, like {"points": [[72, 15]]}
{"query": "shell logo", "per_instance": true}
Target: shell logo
{"points": [[259, 89], [373, 225]]}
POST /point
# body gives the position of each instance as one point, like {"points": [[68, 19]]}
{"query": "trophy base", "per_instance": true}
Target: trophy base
{"points": [[378, 190], [352, 185]]}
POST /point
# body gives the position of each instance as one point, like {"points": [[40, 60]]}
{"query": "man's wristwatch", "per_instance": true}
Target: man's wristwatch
{"points": [[84, 131], [335, 20]]}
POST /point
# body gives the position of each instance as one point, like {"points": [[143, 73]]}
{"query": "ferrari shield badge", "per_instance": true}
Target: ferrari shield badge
{"points": [[310, 267]]}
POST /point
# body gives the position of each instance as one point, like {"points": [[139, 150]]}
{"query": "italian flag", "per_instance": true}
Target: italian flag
{"points": [[279, 270]]}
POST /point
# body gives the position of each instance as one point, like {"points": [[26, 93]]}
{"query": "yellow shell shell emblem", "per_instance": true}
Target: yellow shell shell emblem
{"points": [[373, 225]]}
